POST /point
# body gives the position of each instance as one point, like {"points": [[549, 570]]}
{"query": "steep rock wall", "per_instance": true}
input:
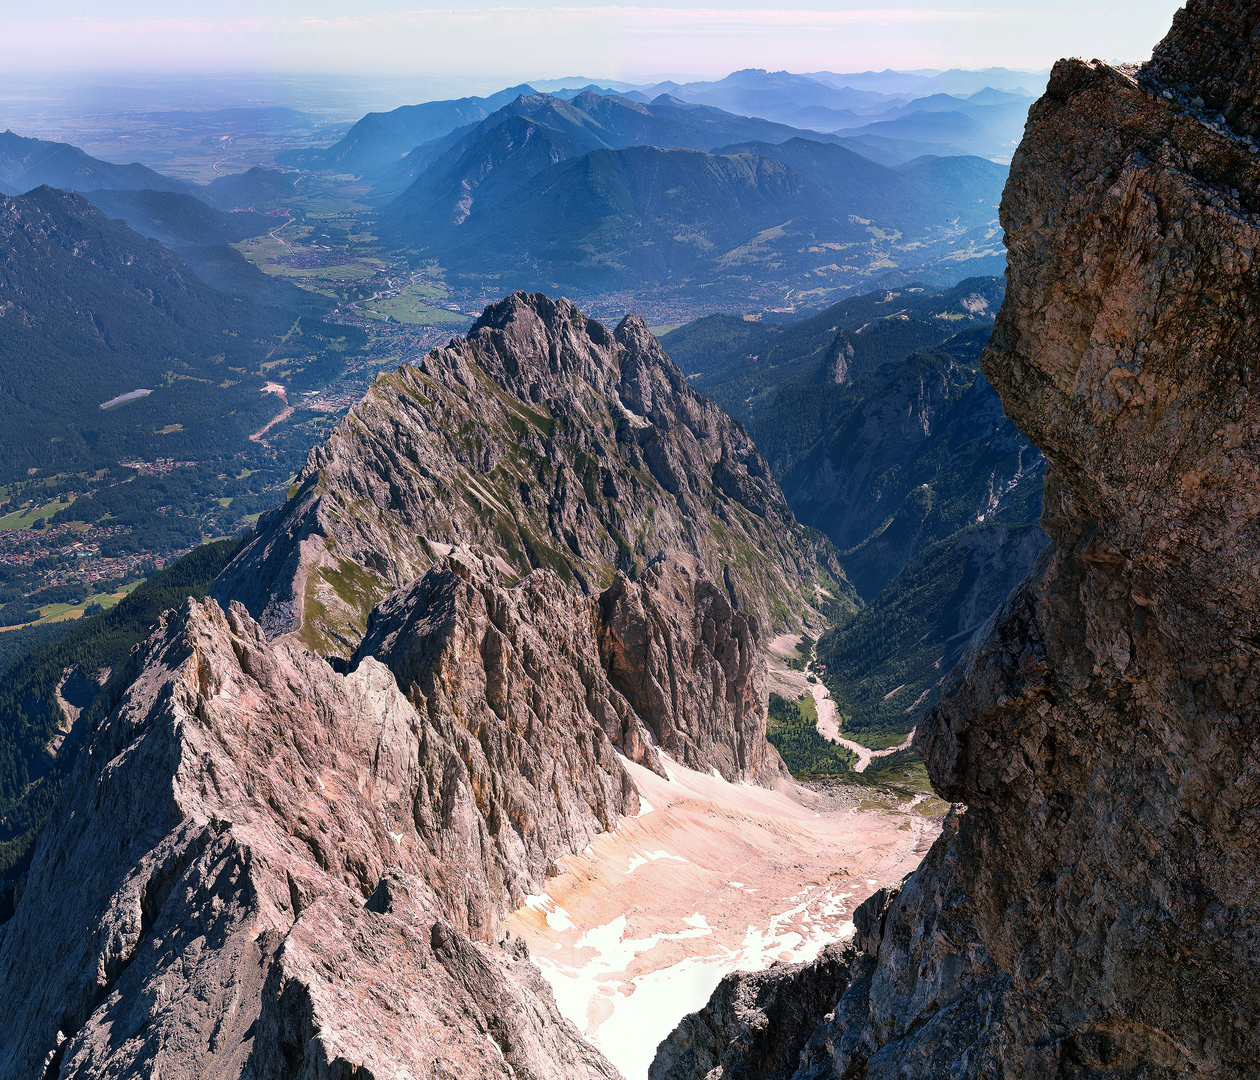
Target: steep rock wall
{"points": [[692, 666], [269, 865], [1095, 910], [542, 439], [254, 843]]}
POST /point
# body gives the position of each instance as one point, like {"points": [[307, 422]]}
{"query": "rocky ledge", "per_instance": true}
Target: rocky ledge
{"points": [[1094, 911]]}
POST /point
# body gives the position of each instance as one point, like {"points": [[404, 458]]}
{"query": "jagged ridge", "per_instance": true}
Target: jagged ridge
{"points": [[281, 869], [541, 439]]}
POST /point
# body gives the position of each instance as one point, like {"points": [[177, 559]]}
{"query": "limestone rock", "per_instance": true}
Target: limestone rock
{"points": [[263, 867], [1095, 911], [838, 361], [692, 667], [542, 439], [268, 865], [755, 1022]]}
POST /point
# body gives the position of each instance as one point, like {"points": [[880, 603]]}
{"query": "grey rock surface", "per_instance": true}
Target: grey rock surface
{"points": [[755, 1022], [1095, 911], [692, 666], [544, 440], [267, 867]]}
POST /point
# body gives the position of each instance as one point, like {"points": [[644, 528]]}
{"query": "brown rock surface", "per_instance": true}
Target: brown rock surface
{"points": [[1095, 912], [202, 884], [541, 439]]}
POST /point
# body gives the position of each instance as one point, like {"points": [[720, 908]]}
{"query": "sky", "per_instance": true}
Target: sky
{"points": [[484, 44]]}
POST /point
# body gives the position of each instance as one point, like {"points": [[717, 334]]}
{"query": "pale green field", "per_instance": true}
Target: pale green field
{"points": [[23, 519], [55, 613], [409, 308]]}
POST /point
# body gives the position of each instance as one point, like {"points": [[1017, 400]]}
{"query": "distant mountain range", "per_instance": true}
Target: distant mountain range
{"points": [[744, 365], [30, 163], [381, 138], [803, 187], [565, 127], [755, 220], [26, 164], [947, 113], [976, 116], [193, 220], [600, 192]]}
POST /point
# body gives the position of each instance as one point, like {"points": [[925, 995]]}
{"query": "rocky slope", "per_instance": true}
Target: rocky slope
{"points": [[542, 439], [918, 451], [278, 869], [1093, 912], [756, 1021], [272, 863]]}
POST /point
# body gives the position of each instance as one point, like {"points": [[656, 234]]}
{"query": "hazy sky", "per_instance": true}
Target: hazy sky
{"points": [[493, 42]]}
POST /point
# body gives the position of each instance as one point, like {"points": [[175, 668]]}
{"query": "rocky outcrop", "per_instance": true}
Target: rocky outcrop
{"points": [[229, 820], [838, 361], [280, 866], [542, 439], [755, 1022], [692, 666], [1095, 911]]}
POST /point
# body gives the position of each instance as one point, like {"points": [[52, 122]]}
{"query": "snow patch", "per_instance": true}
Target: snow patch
{"points": [[559, 919], [638, 860]]}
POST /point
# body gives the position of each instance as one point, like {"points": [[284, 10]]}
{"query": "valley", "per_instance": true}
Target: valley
{"points": [[334, 299], [592, 580]]}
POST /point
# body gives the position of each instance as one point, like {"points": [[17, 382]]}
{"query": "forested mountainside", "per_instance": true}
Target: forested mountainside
{"points": [[745, 364], [533, 202], [31, 163], [93, 312], [203, 237]]}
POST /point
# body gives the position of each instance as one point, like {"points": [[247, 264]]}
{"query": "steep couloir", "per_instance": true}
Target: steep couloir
{"points": [[1095, 909]]}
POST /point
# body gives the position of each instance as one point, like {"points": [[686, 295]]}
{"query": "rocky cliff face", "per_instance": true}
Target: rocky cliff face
{"points": [[755, 1022], [1093, 912], [541, 439], [231, 817], [272, 863], [266, 867]]}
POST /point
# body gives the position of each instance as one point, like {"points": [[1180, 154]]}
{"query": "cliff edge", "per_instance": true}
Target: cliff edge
{"points": [[1094, 911]]}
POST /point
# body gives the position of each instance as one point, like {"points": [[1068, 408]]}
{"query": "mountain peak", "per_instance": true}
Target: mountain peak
{"points": [[546, 440]]}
